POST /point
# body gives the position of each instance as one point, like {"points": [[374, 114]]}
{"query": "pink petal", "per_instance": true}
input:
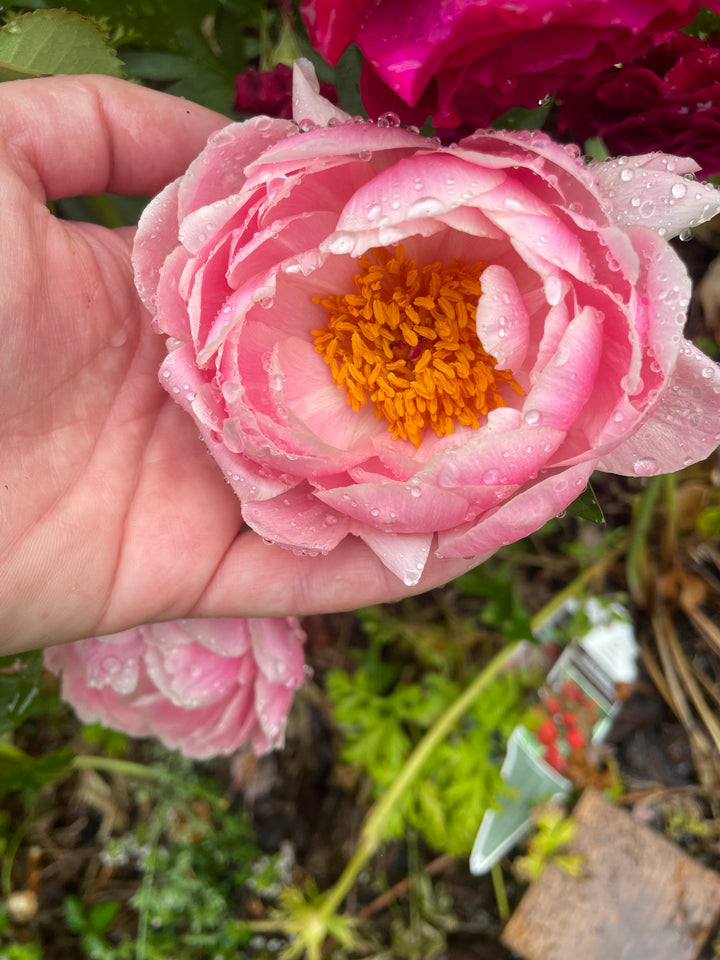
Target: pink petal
{"points": [[523, 514], [650, 190], [156, 238], [684, 427], [397, 507], [566, 384], [405, 555], [297, 520], [502, 320], [219, 171], [307, 102], [278, 650], [496, 458]]}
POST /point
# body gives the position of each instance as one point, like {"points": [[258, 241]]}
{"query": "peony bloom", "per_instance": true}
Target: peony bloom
{"points": [[667, 100], [462, 61], [204, 687], [270, 92], [425, 347]]}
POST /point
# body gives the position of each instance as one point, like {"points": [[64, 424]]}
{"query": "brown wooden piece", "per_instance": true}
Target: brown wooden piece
{"points": [[640, 897]]}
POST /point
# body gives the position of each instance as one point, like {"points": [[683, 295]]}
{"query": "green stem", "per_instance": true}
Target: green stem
{"points": [[130, 769], [372, 829], [637, 564], [498, 882]]}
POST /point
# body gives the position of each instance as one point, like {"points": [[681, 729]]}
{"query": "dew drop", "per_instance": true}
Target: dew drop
{"points": [[388, 119], [627, 174], [426, 207], [685, 234], [492, 476], [532, 417], [646, 467], [678, 190]]}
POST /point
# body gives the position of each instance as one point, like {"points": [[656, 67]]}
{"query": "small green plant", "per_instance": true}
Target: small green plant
{"points": [[382, 719], [91, 925], [554, 832]]}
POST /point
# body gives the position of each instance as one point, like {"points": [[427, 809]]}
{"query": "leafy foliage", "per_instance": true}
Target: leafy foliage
{"points": [[55, 41], [382, 719]]}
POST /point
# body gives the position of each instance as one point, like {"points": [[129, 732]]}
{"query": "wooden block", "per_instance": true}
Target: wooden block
{"points": [[640, 897]]}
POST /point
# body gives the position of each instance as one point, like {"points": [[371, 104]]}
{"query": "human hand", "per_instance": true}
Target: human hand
{"points": [[112, 513]]}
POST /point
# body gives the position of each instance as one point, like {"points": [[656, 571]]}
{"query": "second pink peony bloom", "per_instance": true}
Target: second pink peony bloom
{"points": [[425, 347]]}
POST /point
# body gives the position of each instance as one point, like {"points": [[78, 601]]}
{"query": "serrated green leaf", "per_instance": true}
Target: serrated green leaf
{"points": [[56, 41], [587, 507]]}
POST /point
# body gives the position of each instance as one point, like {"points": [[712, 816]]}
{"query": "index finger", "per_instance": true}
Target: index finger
{"points": [[91, 134]]}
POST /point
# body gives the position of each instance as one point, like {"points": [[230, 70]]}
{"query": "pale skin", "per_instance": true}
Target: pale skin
{"points": [[112, 513]]}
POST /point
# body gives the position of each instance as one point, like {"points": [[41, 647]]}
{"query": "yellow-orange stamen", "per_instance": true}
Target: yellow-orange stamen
{"points": [[407, 342]]}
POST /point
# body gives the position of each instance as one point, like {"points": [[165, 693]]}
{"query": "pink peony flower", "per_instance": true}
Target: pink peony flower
{"points": [[463, 61], [201, 686], [669, 100], [270, 92], [424, 346]]}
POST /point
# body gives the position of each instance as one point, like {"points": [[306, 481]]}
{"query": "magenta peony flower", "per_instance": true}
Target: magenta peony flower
{"points": [[462, 61], [424, 346], [270, 92], [201, 686], [667, 100]]}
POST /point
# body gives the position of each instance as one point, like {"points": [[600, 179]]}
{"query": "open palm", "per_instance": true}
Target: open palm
{"points": [[112, 513]]}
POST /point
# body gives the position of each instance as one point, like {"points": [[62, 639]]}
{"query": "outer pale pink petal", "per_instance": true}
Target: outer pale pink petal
{"points": [[398, 507], [219, 171], [683, 428], [351, 139], [495, 458], [405, 554], [226, 637], [306, 100], [114, 661], [189, 674], [503, 324], [278, 649], [272, 704], [651, 190], [297, 520], [566, 384], [523, 514], [191, 390], [156, 238]]}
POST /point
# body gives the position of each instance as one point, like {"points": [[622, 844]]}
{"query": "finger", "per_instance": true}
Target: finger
{"points": [[91, 134], [259, 580]]}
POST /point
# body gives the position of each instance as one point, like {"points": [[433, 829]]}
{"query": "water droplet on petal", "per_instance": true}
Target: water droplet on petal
{"points": [[426, 207], [646, 467]]}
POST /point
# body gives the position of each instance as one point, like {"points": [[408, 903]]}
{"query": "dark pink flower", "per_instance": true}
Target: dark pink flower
{"points": [[428, 348], [668, 99], [269, 92], [204, 687], [465, 61]]}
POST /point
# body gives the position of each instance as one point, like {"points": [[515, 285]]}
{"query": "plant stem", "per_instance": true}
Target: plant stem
{"points": [[637, 573], [373, 827], [130, 769], [498, 882]]}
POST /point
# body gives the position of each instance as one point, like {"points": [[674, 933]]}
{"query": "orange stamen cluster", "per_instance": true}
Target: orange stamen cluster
{"points": [[407, 341]]}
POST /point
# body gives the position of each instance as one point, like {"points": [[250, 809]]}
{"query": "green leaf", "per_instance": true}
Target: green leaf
{"points": [[519, 118], [74, 914], [22, 772], [56, 41], [587, 507], [101, 915], [21, 691]]}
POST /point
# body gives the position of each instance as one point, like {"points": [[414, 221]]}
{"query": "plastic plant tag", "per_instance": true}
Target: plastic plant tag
{"points": [[531, 780], [577, 705]]}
